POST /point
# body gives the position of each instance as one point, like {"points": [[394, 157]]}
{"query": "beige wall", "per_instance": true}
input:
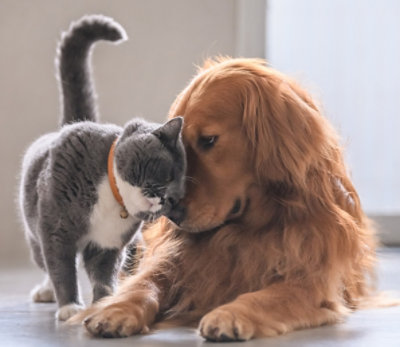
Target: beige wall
{"points": [[138, 78]]}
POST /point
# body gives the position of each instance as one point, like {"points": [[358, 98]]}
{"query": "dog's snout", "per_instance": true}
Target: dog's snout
{"points": [[177, 214]]}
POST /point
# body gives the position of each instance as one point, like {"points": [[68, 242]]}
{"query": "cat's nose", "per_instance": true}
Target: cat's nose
{"points": [[177, 214]]}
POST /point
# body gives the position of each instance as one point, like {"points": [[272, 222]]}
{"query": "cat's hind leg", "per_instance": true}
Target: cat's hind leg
{"points": [[60, 258], [44, 291], [102, 266]]}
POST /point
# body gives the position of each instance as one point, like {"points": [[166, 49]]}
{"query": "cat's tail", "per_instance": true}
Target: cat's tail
{"points": [[78, 98]]}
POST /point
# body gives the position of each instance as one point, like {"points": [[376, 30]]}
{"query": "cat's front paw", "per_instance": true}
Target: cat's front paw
{"points": [[116, 321], [67, 311]]}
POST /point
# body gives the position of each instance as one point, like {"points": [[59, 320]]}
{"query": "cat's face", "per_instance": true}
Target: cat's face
{"points": [[150, 169]]}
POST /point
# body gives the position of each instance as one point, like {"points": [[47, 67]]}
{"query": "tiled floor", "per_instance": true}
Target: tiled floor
{"points": [[23, 323]]}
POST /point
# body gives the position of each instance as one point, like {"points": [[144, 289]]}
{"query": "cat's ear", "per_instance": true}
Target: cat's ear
{"points": [[169, 132]]}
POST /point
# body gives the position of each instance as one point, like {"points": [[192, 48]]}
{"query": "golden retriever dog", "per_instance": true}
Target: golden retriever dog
{"points": [[270, 236]]}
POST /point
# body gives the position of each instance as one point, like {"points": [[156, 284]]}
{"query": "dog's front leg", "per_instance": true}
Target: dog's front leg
{"points": [[132, 310], [275, 310]]}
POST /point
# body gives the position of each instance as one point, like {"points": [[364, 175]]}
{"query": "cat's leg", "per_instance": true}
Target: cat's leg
{"points": [[44, 291], [133, 253], [102, 266], [36, 252], [60, 258]]}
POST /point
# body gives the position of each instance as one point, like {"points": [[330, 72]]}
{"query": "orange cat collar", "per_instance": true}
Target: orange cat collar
{"points": [[113, 183]]}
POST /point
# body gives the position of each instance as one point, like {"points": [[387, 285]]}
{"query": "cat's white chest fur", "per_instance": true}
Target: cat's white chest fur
{"points": [[106, 225]]}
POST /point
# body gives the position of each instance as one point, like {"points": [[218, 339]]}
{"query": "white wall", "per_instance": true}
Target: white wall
{"points": [[140, 77], [348, 54]]}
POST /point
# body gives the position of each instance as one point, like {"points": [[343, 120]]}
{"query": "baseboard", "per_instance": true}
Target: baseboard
{"points": [[388, 228]]}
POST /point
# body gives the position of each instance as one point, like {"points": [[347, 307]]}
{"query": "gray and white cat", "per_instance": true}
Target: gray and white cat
{"points": [[67, 203]]}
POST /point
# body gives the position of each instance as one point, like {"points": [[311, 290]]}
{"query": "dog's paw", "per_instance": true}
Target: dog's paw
{"points": [[67, 311], [114, 321], [225, 325], [43, 293]]}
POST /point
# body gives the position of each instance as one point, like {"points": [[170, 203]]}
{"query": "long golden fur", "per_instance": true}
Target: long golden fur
{"points": [[274, 237]]}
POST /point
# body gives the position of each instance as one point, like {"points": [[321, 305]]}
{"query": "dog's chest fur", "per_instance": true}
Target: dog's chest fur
{"points": [[107, 228]]}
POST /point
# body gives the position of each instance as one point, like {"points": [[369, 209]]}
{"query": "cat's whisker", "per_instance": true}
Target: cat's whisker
{"points": [[192, 179]]}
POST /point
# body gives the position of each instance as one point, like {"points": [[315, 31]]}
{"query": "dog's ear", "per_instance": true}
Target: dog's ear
{"points": [[284, 127]]}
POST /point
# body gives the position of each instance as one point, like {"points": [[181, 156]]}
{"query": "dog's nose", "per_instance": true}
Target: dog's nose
{"points": [[172, 201], [177, 214]]}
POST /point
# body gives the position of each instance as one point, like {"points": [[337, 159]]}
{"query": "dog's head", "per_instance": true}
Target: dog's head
{"points": [[248, 129]]}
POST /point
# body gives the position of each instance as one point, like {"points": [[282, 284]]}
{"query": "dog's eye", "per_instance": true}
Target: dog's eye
{"points": [[207, 142]]}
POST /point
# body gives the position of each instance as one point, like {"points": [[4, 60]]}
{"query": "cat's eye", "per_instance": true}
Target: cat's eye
{"points": [[207, 142], [169, 179]]}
